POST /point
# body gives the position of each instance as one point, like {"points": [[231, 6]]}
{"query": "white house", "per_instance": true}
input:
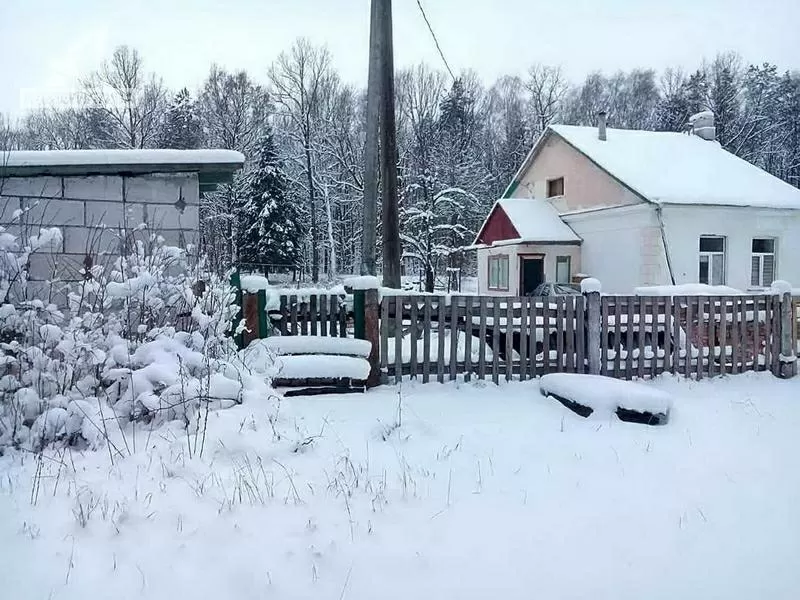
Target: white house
{"points": [[635, 208]]}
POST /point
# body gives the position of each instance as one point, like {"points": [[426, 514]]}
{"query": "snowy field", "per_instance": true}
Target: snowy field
{"points": [[439, 491]]}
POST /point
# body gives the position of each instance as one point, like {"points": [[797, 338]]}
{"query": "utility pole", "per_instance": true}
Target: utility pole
{"points": [[388, 151], [369, 239]]}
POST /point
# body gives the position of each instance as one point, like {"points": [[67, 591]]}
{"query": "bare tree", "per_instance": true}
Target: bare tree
{"points": [[132, 100], [299, 81], [546, 87]]}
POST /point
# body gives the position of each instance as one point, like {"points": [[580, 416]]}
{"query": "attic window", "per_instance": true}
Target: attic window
{"points": [[555, 187]]}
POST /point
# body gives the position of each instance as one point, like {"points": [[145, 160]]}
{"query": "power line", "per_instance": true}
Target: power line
{"points": [[435, 40]]}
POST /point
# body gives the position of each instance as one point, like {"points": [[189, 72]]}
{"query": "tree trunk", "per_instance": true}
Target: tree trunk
{"points": [[333, 266], [313, 207]]}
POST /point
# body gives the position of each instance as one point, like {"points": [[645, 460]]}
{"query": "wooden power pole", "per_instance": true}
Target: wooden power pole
{"points": [[381, 124], [369, 239]]}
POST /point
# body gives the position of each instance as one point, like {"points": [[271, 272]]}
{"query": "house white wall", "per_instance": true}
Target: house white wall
{"points": [[514, 253], [585, 184], [622, 247], [685, 224], [90, 211]]}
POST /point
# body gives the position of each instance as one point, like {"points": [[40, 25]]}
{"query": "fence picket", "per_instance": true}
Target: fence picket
{"points": [[427, 324], [654, 305], [743, 332], [441, 337], [641, 328], [722, 332], [534, 371], [545, 335], [776, 333], [560, 333], [293, 314], [676, 333], [384, 350], [467, 338], [712, 335], [323, 316], [495, 340], [570, 323], [313, 306], [702, 335], [629, 339], [617, 335], [733, 333], [414, 336], [333, 313], [523, 337], [690, 334], [282, 323], [483, 315], [509, 361], [604, 332], [453, 337], [398, 339], [666, 364], [756, 334], [768, 333]]}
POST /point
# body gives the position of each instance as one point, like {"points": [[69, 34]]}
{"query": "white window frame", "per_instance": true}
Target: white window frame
{"points": [[709, 256], [499, 263], [760, 256], [567, 259]]}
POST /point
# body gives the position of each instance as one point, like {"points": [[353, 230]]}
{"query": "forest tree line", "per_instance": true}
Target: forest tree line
{"points": [[298, 202]]}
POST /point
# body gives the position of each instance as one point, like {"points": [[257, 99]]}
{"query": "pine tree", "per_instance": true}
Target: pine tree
{"points": [[181, 127], [269, 232]]}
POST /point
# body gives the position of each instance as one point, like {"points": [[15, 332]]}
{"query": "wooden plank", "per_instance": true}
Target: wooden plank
{"points": [[523, 337], [618, 345], [533, 312], [570, 326], [560, 300], [545, 334], [293, 309], [284, 329], [385, 333], [604, 314], [712, 335], [427, 325], [722, 332], [666, 363], [629, 341], [467, 338], [453, 336], [654, 335], [509, 337], [313, 305], [767, 332], [702, 334], [580, 335], [440, 348], [689, 334], [398, 339], [641, 329], [496, 340], [776, 334], [483, 315], [342, 312], [676, 333], [323, 316], [756, 334], [414, 337], [743, 333], [333, 313], [733, 335]]}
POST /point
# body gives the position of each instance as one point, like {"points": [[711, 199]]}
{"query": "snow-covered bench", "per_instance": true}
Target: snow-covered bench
{"points": [[324, 363], [595, 394]]}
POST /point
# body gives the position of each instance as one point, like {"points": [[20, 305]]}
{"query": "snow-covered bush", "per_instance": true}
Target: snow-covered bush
{"points": [[144, 338]]}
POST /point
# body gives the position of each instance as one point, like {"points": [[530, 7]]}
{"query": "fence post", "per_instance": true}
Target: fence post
{"points": [[591, 289], [236, 284], [366, 323], [788, 358]]}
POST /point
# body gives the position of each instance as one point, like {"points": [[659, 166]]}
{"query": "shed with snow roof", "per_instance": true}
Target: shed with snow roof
{"points": [[648, 208], [96, 197]]}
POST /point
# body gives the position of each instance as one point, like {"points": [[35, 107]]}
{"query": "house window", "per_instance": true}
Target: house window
{"points": [[762, 262], [555, 187], [498, 272], [712, 260], [563, 269]]}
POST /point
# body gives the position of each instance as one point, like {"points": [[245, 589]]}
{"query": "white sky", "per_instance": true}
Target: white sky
{"points": [[46, 45]]}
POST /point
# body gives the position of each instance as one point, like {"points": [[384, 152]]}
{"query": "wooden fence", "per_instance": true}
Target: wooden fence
{"points": [[442, 337]]}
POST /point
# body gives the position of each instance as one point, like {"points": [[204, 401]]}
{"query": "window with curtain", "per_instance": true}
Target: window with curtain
{"points": [[762, 262]]}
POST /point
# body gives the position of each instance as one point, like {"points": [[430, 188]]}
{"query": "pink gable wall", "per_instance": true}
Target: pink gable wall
{"points": [[498, 227]]}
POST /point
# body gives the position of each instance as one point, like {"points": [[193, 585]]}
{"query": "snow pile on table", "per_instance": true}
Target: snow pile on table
{"points": [[687, 289], [363, 282], [422, 491], [315, 344], [321, 367], [604, 395], [254, 283]]}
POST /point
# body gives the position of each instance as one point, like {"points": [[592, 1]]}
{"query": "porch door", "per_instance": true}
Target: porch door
{"points": [[531, 272]]}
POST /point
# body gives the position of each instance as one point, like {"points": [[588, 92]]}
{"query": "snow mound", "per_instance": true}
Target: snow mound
{"points": [[315, 344], [604, 395], [590, 284], [780, 287], [364, 282], [254, 283], [322, 367]]}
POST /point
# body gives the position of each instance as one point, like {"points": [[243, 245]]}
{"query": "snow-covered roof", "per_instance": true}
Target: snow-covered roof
{"points": [[214, 165], [678, 168], [537, 221], [534, 220]]}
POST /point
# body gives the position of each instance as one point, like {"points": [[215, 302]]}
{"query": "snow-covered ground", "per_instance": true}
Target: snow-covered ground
{"points": [[425, 491]]}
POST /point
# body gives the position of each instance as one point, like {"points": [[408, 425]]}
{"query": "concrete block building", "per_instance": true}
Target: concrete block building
{"points": [[96, 197]]}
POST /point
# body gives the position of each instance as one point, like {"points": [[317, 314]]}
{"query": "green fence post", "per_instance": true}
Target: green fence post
{"points": [[263, 321], [236, 284], [359, 322]]}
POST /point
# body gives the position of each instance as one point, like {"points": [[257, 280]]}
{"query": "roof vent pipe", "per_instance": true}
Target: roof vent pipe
{"points": [[702, 125], [601, 125]]}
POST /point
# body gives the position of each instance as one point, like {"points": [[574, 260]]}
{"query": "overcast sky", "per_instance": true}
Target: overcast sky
{"points": [[46, 45]]}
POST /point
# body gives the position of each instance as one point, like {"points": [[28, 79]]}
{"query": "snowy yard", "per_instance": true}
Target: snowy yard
{"points": [[472, 491]]}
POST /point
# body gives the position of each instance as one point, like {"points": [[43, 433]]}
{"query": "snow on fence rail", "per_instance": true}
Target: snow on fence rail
{"points": [[442, 337]]}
